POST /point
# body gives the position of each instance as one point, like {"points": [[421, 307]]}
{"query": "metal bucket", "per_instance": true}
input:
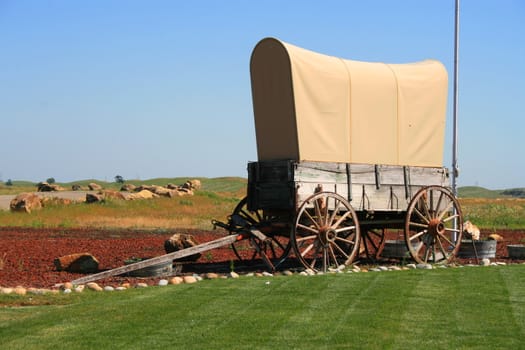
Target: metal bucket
{"points": [[516, 251], [163, 269], [396, 249], [483, 249]]}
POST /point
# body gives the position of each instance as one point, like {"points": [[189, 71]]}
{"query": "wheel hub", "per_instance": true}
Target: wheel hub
{"points": [[327, 235], [436, 227]]}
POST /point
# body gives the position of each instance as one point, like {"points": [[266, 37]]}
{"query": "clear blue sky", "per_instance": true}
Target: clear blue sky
{"points": [[144, 89]]}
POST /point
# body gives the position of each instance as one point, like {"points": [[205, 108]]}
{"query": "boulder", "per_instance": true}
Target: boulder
{"points": [[471, 231], [43, 187], [181, 241], [128, 188], [25, 202], [161, 191], [55, 201], [46, 187], [94, 187], [111, 194], [185, 191], [19, 290], [76, 188], [77, 263], [94, 198], [189, 279], [140, 188], [94, 287], [175, 193], [192, 185], [176, 280], [144, 194]]}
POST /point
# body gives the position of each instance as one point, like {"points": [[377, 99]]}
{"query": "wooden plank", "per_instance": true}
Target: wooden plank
{"points": [[160, 259]]}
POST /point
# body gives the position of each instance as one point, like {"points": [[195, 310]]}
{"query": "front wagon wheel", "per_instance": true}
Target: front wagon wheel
{"points": [[326, 232], [276, 248], [433, 225]]}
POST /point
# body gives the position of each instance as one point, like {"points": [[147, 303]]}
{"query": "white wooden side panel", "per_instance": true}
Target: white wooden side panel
{"points": [[377, 188]]}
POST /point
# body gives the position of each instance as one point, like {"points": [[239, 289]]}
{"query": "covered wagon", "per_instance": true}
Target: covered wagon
{"points": [[346, 150]]}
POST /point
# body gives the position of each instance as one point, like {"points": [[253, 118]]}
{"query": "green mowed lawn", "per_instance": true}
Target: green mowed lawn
{"points": [[462, 308]]}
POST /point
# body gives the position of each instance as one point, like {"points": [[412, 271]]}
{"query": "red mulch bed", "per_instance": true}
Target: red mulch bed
{"points": [[26, 255]]}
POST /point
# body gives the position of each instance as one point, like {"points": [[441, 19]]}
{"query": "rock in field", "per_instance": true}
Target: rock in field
{"points": [[94, 187], [94, 286], [26, 202], [94, 198], [77, 263], [189, 279], [181, 241]]}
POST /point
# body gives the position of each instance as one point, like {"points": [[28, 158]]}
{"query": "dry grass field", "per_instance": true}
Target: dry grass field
{"points": [[215, 200]]}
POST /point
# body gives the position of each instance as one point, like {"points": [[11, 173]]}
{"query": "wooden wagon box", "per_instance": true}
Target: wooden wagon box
{"points": [[368, 187]]}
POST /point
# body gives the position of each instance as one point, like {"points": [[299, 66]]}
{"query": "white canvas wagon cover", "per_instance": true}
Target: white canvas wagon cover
{"points": [[313, 107]]}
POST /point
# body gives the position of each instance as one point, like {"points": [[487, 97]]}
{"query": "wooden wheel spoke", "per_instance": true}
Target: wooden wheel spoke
{"points": [[417, 235], [456, 230], [340, 250], [312, 219], [309, 229], [427, 252], [305, 238], [277, 243], [439, 200], [345, 229], [418, 246], [372, 243], [325, 260], [446, 210], [341, 219], [326, 213], [445, 254], [421, 216], [425, 206], [315, 255], [334, 213], [378, 235], [318, 212], [417, 224], [345, 240], [446, 239], [331, 254], [452, 217], [307, 249]]}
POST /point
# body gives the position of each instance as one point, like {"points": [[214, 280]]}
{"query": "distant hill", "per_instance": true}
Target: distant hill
{"points": [[481, 192], [218, 184]]}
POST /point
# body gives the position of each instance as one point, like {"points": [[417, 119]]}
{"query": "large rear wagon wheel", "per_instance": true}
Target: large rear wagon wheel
{"points": [[433, 225], [326, 232], [276, 247]]}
